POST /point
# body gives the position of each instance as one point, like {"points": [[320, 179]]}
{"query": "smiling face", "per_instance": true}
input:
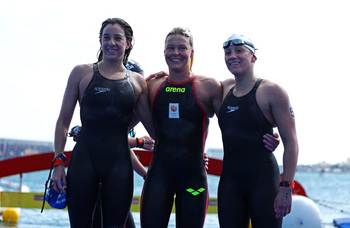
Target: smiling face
{"points": [[113, 42], [178, 52], [239, 59]]}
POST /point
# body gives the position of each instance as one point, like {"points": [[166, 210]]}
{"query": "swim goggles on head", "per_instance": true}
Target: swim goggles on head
{"points": [[239, 40]]}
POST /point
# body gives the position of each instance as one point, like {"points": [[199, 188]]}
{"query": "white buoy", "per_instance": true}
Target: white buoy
{"points": [[305, 213]]}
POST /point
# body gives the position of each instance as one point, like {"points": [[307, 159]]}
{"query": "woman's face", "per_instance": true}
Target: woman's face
{"points": [[239, 59], [178, 52], [113, 42]]}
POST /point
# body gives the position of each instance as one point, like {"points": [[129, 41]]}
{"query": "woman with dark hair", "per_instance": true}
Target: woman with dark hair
{"points": [[109, 96], [128, 35]]}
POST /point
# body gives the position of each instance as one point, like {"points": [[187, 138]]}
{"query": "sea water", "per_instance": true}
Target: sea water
{"points": [[330, 191]]}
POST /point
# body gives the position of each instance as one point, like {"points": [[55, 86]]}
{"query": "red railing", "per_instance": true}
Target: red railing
{"points": [[43, 161]]}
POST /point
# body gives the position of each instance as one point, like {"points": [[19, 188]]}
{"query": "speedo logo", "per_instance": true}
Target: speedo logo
{"points": [[174, 90], [101, 90], [232, 109]]}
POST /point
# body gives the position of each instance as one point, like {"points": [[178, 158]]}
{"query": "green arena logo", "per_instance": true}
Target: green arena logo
{"points": [[175, 90], [194, 192]]}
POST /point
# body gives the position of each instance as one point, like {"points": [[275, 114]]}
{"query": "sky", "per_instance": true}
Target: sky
{"points": [[302, 45]]}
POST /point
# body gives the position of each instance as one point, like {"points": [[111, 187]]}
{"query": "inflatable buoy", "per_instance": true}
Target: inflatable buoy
{"points": [[305, 213], [11, 214]]}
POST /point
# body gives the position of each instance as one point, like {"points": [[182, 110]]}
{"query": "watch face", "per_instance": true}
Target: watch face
{"points": [[285, 183]]}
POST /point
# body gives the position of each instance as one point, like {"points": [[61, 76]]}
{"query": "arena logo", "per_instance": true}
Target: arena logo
{"points": [[175, 90]]}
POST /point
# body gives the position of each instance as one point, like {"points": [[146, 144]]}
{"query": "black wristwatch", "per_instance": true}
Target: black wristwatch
{"points": [[287, 184]]}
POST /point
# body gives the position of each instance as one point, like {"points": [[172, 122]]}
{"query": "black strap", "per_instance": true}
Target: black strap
{"points": [[46, 182], [257, 83], [95, 68], [49, 179]]}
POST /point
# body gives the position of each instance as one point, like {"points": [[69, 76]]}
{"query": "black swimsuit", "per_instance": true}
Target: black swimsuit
{"points": [[177, 165], [250, 174], [102, 153]]}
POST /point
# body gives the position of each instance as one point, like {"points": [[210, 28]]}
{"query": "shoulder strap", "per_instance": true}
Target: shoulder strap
{"points": [[257, 83], [95, 68]]}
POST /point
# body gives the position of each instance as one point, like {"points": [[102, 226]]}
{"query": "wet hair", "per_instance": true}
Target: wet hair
{"points": [[128, 34], [181, 31]]}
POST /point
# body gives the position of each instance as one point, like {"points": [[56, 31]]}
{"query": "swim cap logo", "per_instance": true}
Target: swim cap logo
{"points": [[174, 90]]}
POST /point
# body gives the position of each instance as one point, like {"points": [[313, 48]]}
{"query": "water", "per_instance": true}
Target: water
{"points": [[331, 192]]}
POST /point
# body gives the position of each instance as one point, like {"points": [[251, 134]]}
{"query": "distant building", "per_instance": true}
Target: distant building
{"points": [[10, 148]]}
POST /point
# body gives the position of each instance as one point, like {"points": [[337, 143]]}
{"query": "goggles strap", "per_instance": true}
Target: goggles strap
{"points": [[47, 181]]}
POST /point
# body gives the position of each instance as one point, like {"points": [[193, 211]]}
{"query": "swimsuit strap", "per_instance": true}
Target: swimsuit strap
{"points": [[257, 83], [95, 68], [255, 87]]}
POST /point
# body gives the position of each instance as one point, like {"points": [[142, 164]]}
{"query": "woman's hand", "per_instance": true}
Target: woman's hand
{"points": [[271, 141], [58, 175], [160, 74]]}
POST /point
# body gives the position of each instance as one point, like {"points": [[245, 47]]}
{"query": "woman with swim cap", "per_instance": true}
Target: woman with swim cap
{"points": [[182, 104], [250, 178], [109, 95]]}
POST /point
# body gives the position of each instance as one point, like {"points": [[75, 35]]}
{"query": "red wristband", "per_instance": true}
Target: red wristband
{"points": [[139, 142], [58, 162]]}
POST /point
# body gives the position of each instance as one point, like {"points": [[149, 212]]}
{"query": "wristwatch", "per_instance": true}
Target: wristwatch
{"points": [[287, 184]]}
